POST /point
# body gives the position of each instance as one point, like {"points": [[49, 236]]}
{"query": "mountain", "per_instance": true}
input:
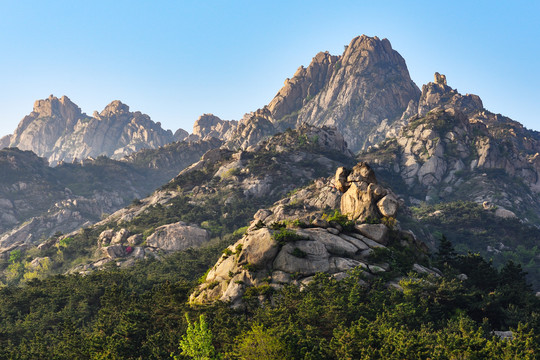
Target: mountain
{"points": [[451, 148], [362, 92], [367, 87], [57, 130], [211, 198]]}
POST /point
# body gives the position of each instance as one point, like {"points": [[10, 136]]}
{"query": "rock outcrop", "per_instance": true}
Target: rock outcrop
{"points": [[58, 130], [177, 236], [271, 255], [438, 93], [453, 149], [303, 86], [369, 84], [219, 190]]}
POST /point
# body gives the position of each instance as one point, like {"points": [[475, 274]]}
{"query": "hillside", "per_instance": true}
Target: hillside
{"points": [[390, 308], [38, 201], [211, 198]]}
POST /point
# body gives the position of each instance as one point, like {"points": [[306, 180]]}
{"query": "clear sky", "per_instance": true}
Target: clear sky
{"points": [[175, 60]]}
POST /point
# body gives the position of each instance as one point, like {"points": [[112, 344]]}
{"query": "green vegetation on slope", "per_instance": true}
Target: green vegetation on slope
{"points": [[140, 313], [470, 228]]}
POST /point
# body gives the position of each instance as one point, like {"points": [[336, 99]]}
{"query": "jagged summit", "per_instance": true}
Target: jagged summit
{"points": [[116, 107], [58, 130], [63, 107], [366, 87], [370, 83], [209, 125]]}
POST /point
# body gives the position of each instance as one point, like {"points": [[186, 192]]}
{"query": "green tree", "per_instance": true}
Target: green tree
{"points": [[197, 342], [446, 255], [260, 344]]}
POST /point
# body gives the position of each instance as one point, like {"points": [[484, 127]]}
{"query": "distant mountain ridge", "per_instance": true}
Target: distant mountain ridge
{"points": [[58, 130]]}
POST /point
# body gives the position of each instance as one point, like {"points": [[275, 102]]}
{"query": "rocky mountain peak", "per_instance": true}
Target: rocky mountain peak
{"points": [[440, 79], [59, 131], [209, 125], [439, 94], [62, 107], [364, 49], [115, 108], [368, 85]]}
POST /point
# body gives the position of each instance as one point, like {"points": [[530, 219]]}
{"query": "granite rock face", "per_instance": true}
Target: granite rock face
{"points": [[369, 85], [303, 86], [58, 130]]}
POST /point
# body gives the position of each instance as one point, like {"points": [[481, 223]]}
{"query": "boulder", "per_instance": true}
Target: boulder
{"points": [[376, 232], [334, 244], [135, 239], [258, 249], [362, 172], [120, 237], [105, 237], [177, 236], [388, 205], [357, 203], [340, 179], [315, 258], [504, 213], [114, 251]]}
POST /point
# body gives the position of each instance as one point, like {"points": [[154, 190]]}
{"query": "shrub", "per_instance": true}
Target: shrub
{"points": [[284, 236]]}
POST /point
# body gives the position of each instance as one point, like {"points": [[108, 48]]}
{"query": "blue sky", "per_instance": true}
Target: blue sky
{"points": [[175, 60]]}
